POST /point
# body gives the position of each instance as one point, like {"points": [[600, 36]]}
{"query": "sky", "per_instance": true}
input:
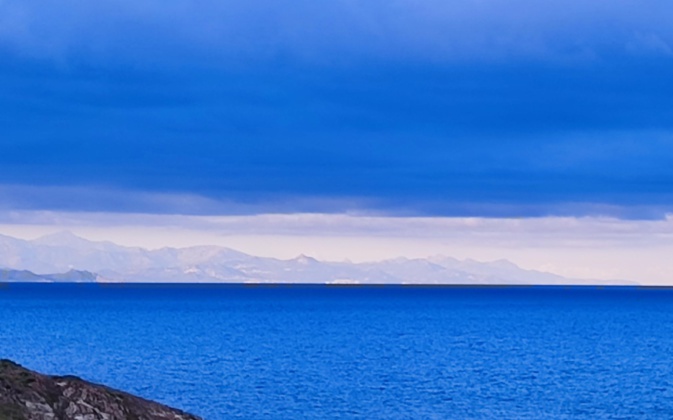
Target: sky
{"points": [[342, 114]]}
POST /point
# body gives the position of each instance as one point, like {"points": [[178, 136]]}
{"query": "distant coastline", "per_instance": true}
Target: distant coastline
{"points": [[27, 276]]}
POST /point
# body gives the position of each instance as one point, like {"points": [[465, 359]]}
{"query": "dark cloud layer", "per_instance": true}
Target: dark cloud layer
{"points": [[460, 108]]}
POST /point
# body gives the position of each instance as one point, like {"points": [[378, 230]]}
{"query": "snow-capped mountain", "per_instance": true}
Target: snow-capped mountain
{"points": [[64, 251]]}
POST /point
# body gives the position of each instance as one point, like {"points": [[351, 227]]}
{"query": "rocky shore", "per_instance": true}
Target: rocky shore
{"points": [[28, 395]]}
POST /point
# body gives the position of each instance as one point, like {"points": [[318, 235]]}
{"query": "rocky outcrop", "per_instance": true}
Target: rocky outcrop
{"points": [[28, 395]]}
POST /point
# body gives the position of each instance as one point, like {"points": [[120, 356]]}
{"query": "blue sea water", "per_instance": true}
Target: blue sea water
{"points": [[321, 352]]}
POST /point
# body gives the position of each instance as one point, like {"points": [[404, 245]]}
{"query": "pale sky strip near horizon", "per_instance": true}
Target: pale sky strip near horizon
{"points": [[588, 247]]}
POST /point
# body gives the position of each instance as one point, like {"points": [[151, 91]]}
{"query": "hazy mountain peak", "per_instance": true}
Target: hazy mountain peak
{"points": [[304, 259], [62, 238], [442, 259]]}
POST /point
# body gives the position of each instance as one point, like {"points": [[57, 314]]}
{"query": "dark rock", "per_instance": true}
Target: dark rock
{"points": [[28, 395]]}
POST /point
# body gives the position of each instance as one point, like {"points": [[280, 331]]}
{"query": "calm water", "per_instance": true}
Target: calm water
{"points": [[360, 352]]}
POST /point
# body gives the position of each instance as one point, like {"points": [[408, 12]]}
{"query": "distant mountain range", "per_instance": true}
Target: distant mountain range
{"points": [[83, 260]]}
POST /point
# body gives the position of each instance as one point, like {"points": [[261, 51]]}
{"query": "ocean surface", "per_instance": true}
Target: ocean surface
{"points": [[326, 352]]}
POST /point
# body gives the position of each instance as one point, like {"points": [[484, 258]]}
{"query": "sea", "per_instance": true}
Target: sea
{"points": [[356, 352]]}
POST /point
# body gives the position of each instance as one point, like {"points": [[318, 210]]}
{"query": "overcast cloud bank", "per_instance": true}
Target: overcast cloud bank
{"points": [[461, 108]]}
